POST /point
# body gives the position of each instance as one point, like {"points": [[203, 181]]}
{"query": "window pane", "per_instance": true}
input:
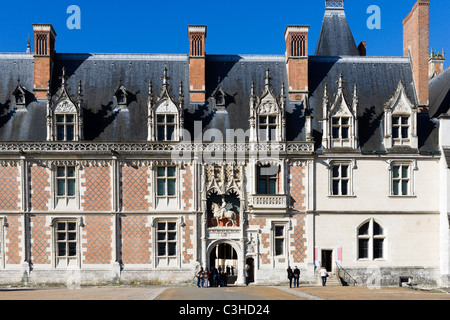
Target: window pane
{"points": [[161, 187], [170, 133], [395, 188], [396, 172], [345, 121], [395, 120], [161, 226], [161, 133], [172, 249], [378, 248], [161, 171], [405, 120], [345, 133], [344, 190], [262, 187], [61, 172], [61, 226], [70, 133], [61, 236], [72, 236], [162, 249], [279, 244], [72, 249], [172, 226], [60, 133], [171, 172], [61, 187], [335, 121], [335, 133], [405, 132], [172, 236], [272, 186], [344, 171], [336, 171], [70, 172], [161, 236], [364, 230], [70, 119], [279, 231], [70, 188], [62, 249], [405, 188], [72, 226], [377, 229], [262, 120], [170, 119], [161, 119], [363, 249], [263, 133], [405, 170], [395, 133], [171, 187], [273, 120], [60, 119], [336, 187]]}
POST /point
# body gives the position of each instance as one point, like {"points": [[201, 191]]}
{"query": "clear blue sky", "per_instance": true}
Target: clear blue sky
{"points": [[234, 27]]}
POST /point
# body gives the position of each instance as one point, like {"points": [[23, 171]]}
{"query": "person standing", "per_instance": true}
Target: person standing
{"points": [[247, 274], [324, 276], [296, 277], [200, 278], [290, 276]]}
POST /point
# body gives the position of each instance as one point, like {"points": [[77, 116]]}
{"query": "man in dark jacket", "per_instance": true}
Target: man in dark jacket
{"points": [[296, 277], [290, 276]]}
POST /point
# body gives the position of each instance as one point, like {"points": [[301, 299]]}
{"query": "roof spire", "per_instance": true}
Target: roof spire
{"points": [[28, 44], [267, 79], [165, 79]]}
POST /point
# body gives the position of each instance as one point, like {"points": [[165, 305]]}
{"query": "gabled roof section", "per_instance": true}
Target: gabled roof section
{"points": [[336, 38]]}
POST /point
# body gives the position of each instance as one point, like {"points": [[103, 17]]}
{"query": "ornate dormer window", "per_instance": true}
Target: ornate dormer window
{"points": [[64, 114], [20, 95], [121, 96], [267, 114], [219, 98], [400, 120], [340, 121], [165, 119]]}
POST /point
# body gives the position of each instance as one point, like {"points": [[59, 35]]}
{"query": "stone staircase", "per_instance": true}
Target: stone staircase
{"points": [[332, 281]]}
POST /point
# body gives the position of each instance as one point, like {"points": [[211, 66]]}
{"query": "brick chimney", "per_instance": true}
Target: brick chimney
{"points": [[197, 63], [415, 45], [436, 64], [297, 61], [44, 54]]}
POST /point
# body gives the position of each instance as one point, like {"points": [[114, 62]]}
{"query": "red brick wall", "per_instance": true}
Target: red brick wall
{"points": [[188, 240], [39, 188], [97, 238], [298, 240], [13, 235], [135, 189], [41, 237], [10, 189], [188, 189], [97, 184], [297, 188], [136, 239], [42, 72]]}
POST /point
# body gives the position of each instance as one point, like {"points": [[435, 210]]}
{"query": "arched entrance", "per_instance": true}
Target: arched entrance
{"points": [[225, 258]]}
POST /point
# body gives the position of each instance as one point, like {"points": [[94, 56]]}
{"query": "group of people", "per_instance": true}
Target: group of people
{"points": [[214, 277], [294, 276]]}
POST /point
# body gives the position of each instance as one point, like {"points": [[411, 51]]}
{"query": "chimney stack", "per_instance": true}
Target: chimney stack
{"points": [[44, 54], [197, 63], [297, 61], [436, 64], [415, 45]]}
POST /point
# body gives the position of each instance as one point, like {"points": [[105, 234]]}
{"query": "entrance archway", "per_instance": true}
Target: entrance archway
{"points": [[224, 257]]}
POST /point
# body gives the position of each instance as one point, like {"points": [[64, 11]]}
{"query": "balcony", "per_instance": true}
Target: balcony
{"points": [[271, 203]]}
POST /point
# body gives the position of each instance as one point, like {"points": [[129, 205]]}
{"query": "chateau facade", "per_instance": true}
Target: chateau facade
{"points": [[142, 168]]}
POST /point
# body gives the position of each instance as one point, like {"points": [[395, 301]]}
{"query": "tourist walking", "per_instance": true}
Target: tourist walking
{"points": [[296, 277], [290, 276], [200, 277], [206, 278], [324, 276]]}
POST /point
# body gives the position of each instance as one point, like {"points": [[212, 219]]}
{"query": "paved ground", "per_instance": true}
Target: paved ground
{"points": [[222, 294]]}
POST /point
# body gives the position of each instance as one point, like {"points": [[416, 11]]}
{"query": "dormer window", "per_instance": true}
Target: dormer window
{"points": [[400, 120], [166, 125], [340, 121], [65, 127], [267, 114], [19, 96], [121, 97]]}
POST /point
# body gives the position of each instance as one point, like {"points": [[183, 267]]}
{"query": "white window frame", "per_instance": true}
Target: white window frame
{"points": [[65, 124], [351, 167], [412, 167], [66, 261], [166, 124], [285, 237], [371, 237], [271, 128], [166, 261]]}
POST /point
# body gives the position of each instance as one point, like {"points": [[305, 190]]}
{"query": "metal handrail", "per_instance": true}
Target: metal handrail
{"points": [[350, 278]]}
